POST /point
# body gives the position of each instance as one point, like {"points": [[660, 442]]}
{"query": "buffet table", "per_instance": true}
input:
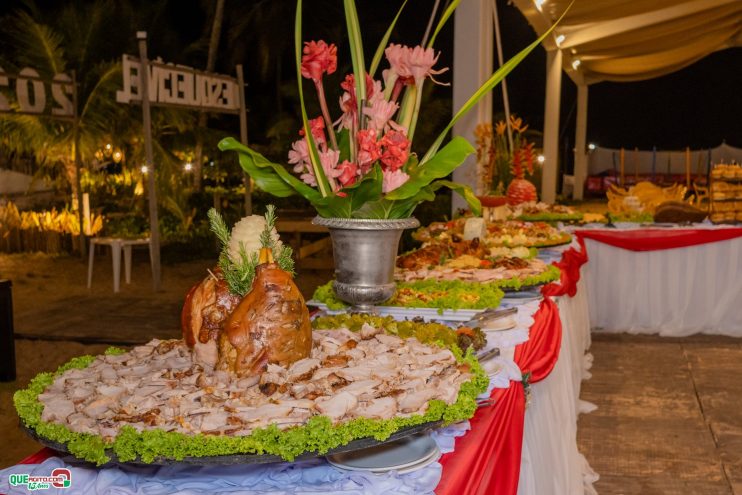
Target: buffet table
{"points": [[524, 443], [672, 281]]}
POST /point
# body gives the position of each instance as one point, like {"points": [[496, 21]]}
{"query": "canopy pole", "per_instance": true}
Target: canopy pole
{"points": [[78, 165], [551, 125], [503, 84], [154, 227], [581, 142], [473, 60]]}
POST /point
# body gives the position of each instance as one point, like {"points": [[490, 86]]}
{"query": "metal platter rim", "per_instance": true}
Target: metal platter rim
{"points": [[234, 459]]}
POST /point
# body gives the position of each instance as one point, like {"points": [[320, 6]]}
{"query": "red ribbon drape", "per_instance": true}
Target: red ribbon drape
{"points": [[570, 264], [487, 458], [656, 239]]}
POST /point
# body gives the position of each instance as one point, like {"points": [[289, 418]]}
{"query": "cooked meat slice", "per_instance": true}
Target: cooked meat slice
{"points": [[100, 405], [413, 401], [381, 408], [264, 412], [213, 420], [361, 387], [369, 331], [57, 409], [303, 369], [443, 357], [390, 340], [337, 406], [355, 373]]}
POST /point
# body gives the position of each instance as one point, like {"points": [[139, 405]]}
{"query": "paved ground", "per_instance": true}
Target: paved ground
{"points": [[668, 420]]}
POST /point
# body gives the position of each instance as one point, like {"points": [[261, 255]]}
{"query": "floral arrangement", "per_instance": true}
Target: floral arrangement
{"points": [[361, 165], [499, 164]]}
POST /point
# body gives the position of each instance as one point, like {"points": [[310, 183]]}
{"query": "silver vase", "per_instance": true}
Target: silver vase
{"points": [[365, 252]]}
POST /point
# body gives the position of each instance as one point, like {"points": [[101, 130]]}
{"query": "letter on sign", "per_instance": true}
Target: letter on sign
{"points": [[21, 91]]}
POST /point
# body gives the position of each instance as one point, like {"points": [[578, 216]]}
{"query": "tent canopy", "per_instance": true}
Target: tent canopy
{"points": [[619, 40]]}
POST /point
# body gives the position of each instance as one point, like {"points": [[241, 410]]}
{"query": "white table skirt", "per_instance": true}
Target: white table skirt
{"points": [[673, 292], [551, 463]]}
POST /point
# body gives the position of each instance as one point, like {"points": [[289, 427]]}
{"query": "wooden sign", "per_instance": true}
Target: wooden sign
{"points": [[180, 86], [30, 94]]}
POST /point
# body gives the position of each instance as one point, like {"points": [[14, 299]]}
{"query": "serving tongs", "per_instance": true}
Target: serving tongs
{"points": [[490, 315]]}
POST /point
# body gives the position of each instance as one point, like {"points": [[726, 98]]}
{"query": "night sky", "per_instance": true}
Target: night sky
{"points": [[700, 106]]}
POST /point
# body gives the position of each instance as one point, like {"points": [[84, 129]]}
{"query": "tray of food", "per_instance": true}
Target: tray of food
{"points": [[544, 212], [253, 379], [474, 262], [509, 233], [449, 300]]}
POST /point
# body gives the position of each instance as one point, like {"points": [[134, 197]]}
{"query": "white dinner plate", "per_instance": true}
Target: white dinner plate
{"points": [[433, 458], [499, 324], [404, 453]]}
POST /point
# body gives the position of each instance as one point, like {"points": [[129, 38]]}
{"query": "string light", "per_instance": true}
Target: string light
{"points": [[576, 63], [541, 159], [560, 39], [188, 167], [144, 169], [591, 146], [539, 3]]}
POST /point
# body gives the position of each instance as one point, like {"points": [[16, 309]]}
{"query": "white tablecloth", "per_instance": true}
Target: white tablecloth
{"points": [[673, 292], [551, 463]]}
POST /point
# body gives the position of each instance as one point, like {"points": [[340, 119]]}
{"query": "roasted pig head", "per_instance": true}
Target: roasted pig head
{"points": [[207, 306], [270, 325]]}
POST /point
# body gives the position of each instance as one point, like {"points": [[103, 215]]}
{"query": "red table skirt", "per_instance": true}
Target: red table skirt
{"points": [[656, 239]]}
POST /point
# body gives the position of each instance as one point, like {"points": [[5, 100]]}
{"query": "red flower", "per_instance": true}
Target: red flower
{"points": [[319, 58], [395, 150], [369, 149], [348, 173], [348, 102], [318, 130]]}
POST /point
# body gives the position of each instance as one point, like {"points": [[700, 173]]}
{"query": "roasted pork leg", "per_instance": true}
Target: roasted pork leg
{"points": [[270, 325]]}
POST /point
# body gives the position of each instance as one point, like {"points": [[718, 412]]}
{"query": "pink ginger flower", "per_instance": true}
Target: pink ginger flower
{"points": [[348, 173], [415, 63], [348, 102], [319, 58], [329, 160], [395, 150], [369, 149], [380, 112], [392, 180], [299, 155]]}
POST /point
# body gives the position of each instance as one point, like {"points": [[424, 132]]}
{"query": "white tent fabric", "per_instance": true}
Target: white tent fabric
{"points": [[616, 40], [640, 162]]}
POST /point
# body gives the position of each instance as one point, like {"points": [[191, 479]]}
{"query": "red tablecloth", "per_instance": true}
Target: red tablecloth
{"points": [[487, 459], [656, 239]]}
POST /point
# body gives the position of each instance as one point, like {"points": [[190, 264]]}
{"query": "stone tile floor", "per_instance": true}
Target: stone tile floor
{"points": [[669, 419]]}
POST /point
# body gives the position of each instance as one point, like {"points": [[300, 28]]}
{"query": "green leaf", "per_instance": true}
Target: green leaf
{"points": [[319, 172], [268, 176], [383, 43], [356, 51], [493, 81], [462, 190], [363, 191], [441, 165], [344, 145], [448, 12]]}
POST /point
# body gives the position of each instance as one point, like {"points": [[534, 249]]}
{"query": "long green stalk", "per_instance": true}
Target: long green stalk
{"points": [[444, 18], [382, 44], [356, 55], [319, 173], [493, 81]]}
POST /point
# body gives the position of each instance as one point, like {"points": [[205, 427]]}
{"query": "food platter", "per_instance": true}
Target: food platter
{"points": [[428, 314], [234, 459]]}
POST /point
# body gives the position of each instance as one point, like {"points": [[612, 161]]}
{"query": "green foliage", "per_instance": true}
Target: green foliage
{"points": [[240, 274], [551, 217], [551, 274], [442, 295], [319, 434]]}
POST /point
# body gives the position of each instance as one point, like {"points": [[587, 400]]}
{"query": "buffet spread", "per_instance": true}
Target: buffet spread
{"points": [[253, 375]]}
